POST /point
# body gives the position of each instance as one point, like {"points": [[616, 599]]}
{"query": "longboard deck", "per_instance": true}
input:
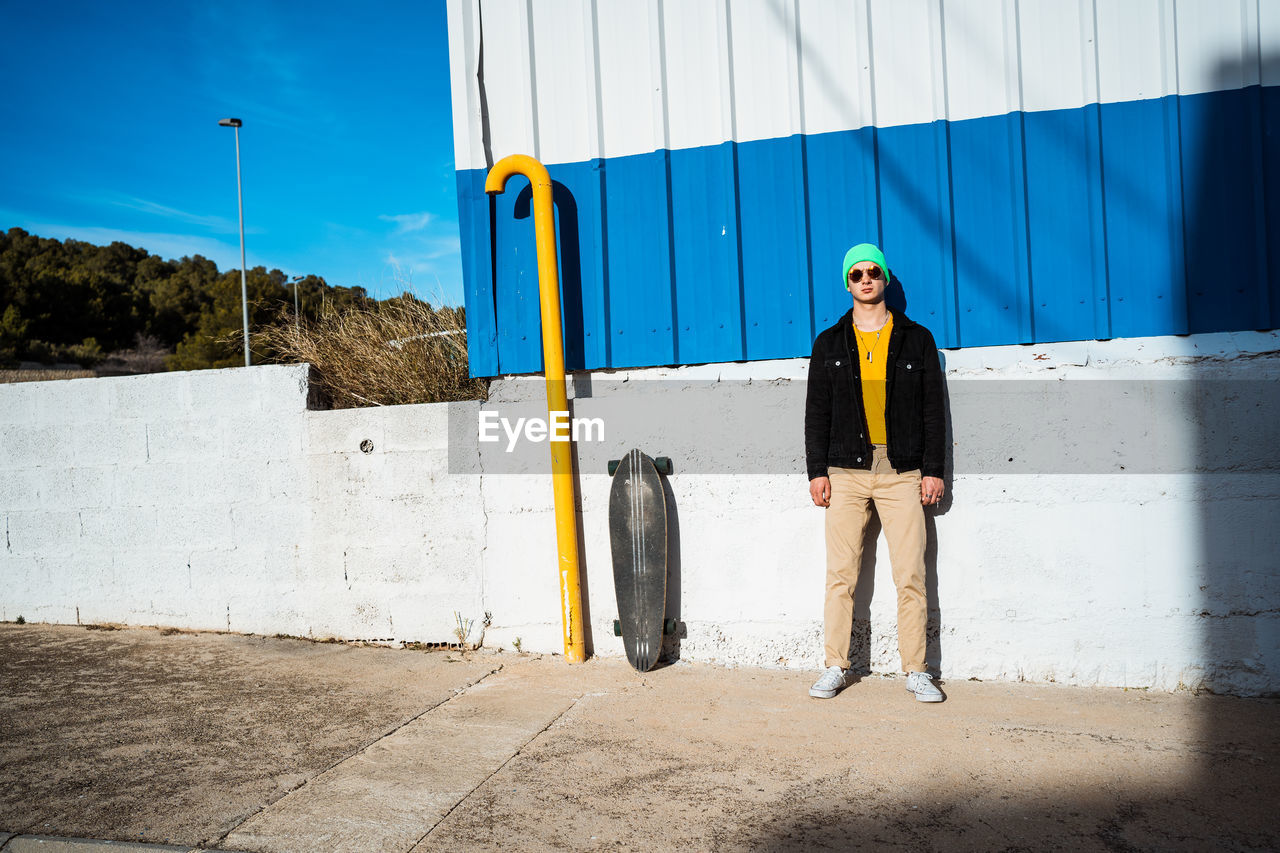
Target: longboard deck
{"points": [[638, 537]]}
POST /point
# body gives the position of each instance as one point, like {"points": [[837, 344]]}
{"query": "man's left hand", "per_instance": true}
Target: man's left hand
{"points": [[930, 490]]}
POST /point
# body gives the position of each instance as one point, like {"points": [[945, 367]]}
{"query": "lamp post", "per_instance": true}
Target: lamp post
{"points": [[296, 279], [244, 287]]}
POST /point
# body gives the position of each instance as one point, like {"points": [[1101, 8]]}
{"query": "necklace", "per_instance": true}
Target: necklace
{"points": [[858, 334]]}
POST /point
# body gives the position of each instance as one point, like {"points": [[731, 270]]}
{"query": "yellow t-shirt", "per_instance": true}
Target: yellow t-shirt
{"points": [[876, 344]]}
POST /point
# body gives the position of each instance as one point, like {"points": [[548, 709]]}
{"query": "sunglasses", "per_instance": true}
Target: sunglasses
{"points": [[874, 274]]}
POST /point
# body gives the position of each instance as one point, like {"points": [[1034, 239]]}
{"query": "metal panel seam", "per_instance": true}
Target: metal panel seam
{"points": [[1101, 184], [606, 320], [727, 63], [1173, 142], [666, 165], [940, 54], [804, 170], [1026, 296], [526, 24]]}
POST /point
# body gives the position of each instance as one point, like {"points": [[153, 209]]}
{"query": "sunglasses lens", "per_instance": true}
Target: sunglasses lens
{"points": [[874, 274]]}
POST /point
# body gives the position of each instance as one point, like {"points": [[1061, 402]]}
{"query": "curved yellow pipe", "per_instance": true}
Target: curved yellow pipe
{"points": [[575, 648]]}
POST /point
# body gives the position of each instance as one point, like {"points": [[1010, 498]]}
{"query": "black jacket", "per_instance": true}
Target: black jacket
{"points": [[835, 425]]}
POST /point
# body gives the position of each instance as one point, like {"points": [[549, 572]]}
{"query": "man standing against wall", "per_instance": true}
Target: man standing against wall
{"points": [[874, 432]]}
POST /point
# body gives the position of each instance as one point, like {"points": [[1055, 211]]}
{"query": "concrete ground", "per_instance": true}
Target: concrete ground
{"points": [[255, 744]]}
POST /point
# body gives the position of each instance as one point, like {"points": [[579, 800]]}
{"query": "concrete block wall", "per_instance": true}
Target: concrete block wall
{"points": [[392, 544], [217, 500], [128, 499]]}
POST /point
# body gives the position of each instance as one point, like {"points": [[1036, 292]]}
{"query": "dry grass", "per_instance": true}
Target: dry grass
{"points": [[380, 353], [43, 375]]}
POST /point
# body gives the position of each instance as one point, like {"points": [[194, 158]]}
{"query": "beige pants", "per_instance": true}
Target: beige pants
{"points": [[897, 500]]}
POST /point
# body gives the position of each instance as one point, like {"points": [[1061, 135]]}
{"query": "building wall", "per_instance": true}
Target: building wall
{"points": [[1035, 171], [1122, 537]]}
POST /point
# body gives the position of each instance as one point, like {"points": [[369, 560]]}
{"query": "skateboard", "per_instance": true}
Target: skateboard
{"points": [[638, 537]]}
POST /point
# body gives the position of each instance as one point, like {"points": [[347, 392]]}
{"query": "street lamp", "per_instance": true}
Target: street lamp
{"points": [[244, 287], [296, 279]]}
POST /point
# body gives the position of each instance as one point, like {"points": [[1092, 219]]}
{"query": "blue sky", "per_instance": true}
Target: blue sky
{"points": [[111, 133]]}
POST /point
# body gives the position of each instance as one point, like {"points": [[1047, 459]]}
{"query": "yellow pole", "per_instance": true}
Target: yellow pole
{"points": [[575, 649]]}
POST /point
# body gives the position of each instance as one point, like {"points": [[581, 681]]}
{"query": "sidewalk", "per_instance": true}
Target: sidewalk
{"points": [[256, 744]]}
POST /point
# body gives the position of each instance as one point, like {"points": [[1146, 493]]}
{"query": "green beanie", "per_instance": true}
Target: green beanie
{"points": [[858, 254]]}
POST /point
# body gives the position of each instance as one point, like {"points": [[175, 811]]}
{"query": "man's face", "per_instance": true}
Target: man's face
{"points": [[866, 282]]}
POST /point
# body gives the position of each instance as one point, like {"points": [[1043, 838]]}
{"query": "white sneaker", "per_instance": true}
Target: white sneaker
{"points": [[830, 682], [921, 684]]}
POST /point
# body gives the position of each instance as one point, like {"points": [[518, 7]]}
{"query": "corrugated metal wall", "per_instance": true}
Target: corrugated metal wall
{"points": [[1035, 170]]}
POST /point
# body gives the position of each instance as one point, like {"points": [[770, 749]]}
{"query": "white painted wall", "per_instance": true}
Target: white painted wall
{"points": [[216, 500], [572, 81]]}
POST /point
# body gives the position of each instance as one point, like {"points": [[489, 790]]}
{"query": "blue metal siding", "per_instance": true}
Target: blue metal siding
{"points": [[1025, 227], [639, 261], [915, 224], [707, 273], [989, 233], [1142, 188], [775, 257], [477, 272], [842, 188], [1225, 243], [1269, 151], [1065, 224]]}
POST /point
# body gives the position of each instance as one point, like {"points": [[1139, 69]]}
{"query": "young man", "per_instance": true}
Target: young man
{"points": [[874, 431]]}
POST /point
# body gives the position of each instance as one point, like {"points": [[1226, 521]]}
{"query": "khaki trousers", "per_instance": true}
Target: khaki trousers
{"points": [[897, 500]]}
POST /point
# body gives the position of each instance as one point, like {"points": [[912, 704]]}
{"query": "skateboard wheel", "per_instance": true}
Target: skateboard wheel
{"points": [[613, 466], [663, 464], [617, 628], [671, 627]]}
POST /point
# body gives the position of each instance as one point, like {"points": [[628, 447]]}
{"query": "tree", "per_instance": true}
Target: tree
{"points": [[13, 331], [74, 301]]}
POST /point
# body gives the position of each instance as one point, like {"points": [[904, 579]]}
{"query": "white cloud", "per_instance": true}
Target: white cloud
{"points": [[216, 224], [407, 223]]}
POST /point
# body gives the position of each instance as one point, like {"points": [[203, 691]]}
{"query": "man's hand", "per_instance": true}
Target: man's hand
{"points": [[930, 490], [820, 491]]}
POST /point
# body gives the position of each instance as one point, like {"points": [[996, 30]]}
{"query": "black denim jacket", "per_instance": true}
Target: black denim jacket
{"points": [[835, 425]]}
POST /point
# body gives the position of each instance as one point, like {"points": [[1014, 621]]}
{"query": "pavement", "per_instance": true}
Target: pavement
{"points": [[144, 739]]}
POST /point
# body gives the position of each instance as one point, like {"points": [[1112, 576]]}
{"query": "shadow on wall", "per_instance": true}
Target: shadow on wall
{"points": [[568, 248], [671, 642], [1231, 226]]}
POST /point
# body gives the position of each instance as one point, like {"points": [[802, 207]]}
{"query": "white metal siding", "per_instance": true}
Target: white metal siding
{"points": [[569, 81]]}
